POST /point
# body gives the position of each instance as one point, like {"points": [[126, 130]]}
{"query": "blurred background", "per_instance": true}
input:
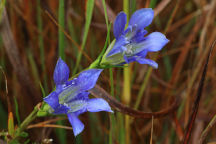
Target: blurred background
{"points": [[33, 34]]}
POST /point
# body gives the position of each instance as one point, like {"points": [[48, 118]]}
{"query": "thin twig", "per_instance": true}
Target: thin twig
{"points": [[97, 91], [50, 126], [207, 129]]}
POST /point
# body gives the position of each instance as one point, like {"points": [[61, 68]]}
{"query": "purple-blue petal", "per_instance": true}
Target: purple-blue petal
{"points": [[142, 53], [126, 59], [154, 42], [79, 96], [98, 104], [52, 100], [139, 36], [61, 109], [78, 104], [119, 24], [147, 61], [88, 78], [61, 72], [142, 18], [118, 46], [76, 124]]}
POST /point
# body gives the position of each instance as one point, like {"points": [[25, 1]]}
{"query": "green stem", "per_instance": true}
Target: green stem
{"points": [[143, 87], [111, 116], [127, 88], [60, 32], [26, 122]]}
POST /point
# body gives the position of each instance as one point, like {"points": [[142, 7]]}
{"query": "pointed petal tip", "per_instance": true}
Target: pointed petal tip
{"points": [[76, 124], [61, 72], [148, 62], [97, 105], [119, 24], [77, 132], [52, 100], [142, 18]]}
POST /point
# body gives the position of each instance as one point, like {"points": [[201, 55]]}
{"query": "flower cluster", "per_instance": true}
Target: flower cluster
{"points": [[131, 44], [71, 97]]}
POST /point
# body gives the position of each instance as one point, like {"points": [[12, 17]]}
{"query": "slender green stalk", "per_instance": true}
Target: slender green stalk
{"points": [[121, 128], [61, 133], [127, 87], [33, 67], [41, 45], [105, 13], [25, 123], [207, 129], [89, 11], [143, 87], [112, 118], [17, 110], [2, 5], [60, 32], [153, 3]]}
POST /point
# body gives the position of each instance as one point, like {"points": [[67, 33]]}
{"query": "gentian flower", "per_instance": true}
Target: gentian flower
{"points": [[71, 97], [131, 44]]}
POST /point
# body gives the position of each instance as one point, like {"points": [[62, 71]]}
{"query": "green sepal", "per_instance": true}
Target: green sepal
{"points": [[44, 111]]}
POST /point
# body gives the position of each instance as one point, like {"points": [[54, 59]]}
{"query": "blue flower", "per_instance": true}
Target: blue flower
{"points": [[131, 44], [71, 97]]}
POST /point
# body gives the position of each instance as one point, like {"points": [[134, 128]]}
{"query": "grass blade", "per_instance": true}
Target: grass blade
{"points": [[88, 14], [60, 32], [197, 101], [17, 111]]}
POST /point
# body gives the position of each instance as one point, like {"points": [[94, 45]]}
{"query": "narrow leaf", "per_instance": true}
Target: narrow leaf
{"points": [[10, 124], [197, 101], [88, 14]]}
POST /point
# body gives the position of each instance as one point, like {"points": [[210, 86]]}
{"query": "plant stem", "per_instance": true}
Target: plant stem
{"points": [[126, 88], [26, 122], [60, 32]]}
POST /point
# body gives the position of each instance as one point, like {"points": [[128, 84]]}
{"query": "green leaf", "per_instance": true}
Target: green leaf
{"points": [[10, 124], [88, 14], [17, 110], [2, 5], [60, 32]]}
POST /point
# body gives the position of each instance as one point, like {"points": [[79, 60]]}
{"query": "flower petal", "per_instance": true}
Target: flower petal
{"points": [[139, 36], [79, 103], [118, 46], [142, 18], [77, 125], [88, 78], [119, 24], [52, 100], [69, 92], [61, 109], [61, 73], [153, 42], [147, 61], [98, 104]]}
